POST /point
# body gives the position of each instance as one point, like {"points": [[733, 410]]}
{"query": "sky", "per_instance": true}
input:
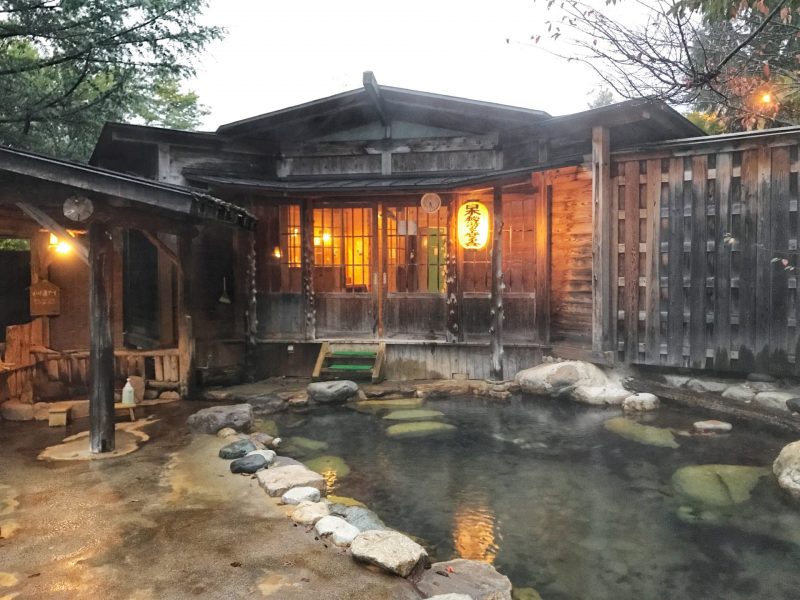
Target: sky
{"points": [[281, 53]]}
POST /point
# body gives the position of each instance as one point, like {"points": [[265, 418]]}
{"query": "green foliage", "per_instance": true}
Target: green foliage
{"points": [[14, 244], [707, 121], [67, 66], [601, 96]]}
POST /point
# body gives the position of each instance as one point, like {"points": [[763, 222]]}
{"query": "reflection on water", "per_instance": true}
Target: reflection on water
{"points": [[555, 501], [330, 476], [474, 533]]}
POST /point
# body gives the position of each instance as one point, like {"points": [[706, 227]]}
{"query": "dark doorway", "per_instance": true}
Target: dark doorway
{"points": [[15, 275], [140, 280]]}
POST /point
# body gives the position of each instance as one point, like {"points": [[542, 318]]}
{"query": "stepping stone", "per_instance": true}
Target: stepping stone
{"points": [[249, 464], [237, 449], [337, 529], [413, 415], [279, 480], [471, 577], [300, 494], [268, 455], [308, 513], [389, 550]]}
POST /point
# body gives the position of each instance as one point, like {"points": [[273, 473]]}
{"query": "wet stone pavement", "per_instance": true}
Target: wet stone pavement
{"points": [[168, 521]]}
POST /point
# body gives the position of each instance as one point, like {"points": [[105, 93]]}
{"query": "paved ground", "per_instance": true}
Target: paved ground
{"points": [[168, 521]]}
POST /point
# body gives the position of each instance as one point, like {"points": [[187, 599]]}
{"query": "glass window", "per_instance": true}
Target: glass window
{"points": [[342, 249], [416, 249], [518, 243], [283, 246]]}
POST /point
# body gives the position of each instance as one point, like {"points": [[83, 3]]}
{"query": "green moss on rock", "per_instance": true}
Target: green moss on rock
{"points": [[413, 415], [327, 464], [643, 434], [298, 446], [716, 485], [418, 429]]}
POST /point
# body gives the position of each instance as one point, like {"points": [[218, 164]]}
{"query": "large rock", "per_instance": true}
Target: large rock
{"points": [[278, 480], [332, 392], [358, 516], [13, 410], [716, 486], [707, 385], [236, 449], [739, 393], [249, 464], [391, 551], [774, 400], [269, 455], [551, 378], [476, 579], [308, 513], [640, 402], [300, 494], [787, 469], [211, 420], [337, 529], [600, 394]]}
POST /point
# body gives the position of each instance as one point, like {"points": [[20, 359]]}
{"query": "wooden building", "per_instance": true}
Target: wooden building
{"points": [[90, 245], [364, 202]]}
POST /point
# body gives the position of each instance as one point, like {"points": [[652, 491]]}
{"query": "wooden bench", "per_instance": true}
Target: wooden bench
{"points": [[129, 407]]}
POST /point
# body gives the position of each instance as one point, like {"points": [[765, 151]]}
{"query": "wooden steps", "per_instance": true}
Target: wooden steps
{"points": [[344, 360]]}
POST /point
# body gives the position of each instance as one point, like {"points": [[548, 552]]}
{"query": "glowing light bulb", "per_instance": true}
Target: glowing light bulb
{"points": [[63, 248], [766, 98], [276, 252], [326, 238]]}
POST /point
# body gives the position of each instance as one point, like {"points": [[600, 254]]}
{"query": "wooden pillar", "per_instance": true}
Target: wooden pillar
{"points": [[602, 285], [186, 345], [101, 345], [496, 312], [251, 310], [307, 266], [542, 224], [455, 332]]}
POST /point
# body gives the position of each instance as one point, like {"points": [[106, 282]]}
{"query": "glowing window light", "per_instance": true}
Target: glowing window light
{"points": [[276, 252], [473, 225], [326, 238]]}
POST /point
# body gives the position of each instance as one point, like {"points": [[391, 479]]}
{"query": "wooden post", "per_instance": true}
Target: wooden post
{"points": [[542, 222], [496, 299], [602, 322], [307, 266], [101, 345], [186, 346], [455, 332], [251, 311]]}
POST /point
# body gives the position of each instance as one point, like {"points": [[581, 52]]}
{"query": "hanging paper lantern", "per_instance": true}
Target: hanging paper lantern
{"points": [[473, 225]]}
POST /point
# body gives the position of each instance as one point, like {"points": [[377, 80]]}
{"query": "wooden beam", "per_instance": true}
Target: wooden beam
{"points": [[496, 298], [165, 250], [307, 268], [101, 345], [186, 344], [251, 310], [374, 93], [453, 291], [602, 322], [542, 222], [52, 225]]}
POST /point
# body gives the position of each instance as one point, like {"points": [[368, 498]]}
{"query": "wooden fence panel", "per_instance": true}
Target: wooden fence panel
{"points": [[706, 267]]}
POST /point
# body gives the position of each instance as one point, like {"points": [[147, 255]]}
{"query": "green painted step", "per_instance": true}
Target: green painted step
{"points": [[350, 353], [349, 368]]}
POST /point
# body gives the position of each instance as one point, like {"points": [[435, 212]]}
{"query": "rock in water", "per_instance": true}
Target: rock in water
{"points": [[550, 378], [774, 400], [418, 429], [476, 579], [641, 402], [793, 404], [329, 464], [716, 485], [644, 434], [599, 394], [237, 449], [300, 494], [248, 464], [413, 415], [211, 420], [337, 529], [389, 550], [332, 392], [358, 516], [787, 469], [713, 425]]}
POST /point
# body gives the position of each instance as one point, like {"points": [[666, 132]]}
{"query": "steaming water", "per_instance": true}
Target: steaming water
{"points": [[556, 502]]}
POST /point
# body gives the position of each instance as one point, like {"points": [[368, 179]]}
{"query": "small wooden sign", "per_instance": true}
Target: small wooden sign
{"points": [[45, 299]]}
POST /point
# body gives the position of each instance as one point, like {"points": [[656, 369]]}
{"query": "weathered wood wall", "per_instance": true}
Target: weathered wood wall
{"points": [[571, 255], [705, 248]]}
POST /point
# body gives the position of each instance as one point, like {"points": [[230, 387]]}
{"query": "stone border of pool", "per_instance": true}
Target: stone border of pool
{"points": [[352, 528]]}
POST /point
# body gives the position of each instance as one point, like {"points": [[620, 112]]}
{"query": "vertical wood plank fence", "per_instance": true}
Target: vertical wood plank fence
{"points": [[705, 255]]}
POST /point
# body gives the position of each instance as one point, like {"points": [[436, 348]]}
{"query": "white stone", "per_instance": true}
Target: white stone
{"points": [[707, 385], [739, 393], [226, 432], [14, 410], [787, 469], [278, 480], [389, 550], [337, 529], [607, 394], [550, 378], [268, 455], [300, 494], [308, 513], [774, 400], [712, 425], [641, 401]]}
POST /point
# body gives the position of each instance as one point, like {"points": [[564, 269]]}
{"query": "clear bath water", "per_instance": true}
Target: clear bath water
{"points": [[541, 490]]}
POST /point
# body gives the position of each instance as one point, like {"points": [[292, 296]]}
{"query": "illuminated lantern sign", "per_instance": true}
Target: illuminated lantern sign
{"points": [[473, 225]]}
